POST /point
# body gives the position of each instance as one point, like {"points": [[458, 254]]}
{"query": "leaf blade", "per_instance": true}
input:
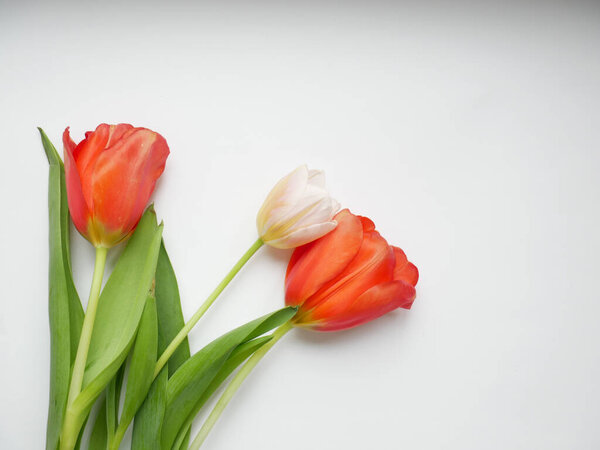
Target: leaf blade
{"points": [[141, 366], [148, 420], [64, 307], [99, 435], [168, 305]]}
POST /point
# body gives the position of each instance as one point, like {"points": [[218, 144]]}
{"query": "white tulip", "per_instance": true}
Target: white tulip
{"points": [[297, 211]]}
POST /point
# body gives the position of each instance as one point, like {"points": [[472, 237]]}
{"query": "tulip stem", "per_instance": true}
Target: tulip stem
{"points": [[177, 340], [235, 384], [84, 345]]}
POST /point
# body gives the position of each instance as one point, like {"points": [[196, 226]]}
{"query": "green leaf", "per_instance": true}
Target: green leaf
{"points": [[119, 311], [186, 386], [64, 306], [141, 367], [113, 397], [99, 436], [148, 420], [168, 305], [237, 357]]}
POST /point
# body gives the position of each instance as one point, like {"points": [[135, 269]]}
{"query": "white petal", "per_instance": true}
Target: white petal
{"points": [[298, 210], [286, 192], [319, 212], [316, 178], [303, 235], [288, 215]]}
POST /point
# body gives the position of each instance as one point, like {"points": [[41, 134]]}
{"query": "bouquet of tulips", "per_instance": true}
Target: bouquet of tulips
{"points": [[342, 273]]}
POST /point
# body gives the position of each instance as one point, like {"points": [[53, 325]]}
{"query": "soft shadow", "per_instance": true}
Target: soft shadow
{"points": [[377, 326]]}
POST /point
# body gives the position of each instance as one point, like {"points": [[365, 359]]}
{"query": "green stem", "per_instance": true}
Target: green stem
{"points": [[177, 340], [68, 433], [235, 384]]}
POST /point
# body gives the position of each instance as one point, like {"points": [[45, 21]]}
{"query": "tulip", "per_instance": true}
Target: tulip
{"points": [[344, 279], [349, 277], [110, 176], [297, 211]]}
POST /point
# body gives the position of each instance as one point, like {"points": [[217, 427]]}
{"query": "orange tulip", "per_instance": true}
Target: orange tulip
{"points": [[348, 277], [110, 176]]}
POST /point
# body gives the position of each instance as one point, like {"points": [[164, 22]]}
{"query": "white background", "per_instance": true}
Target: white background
{"points": [[469, 133]]}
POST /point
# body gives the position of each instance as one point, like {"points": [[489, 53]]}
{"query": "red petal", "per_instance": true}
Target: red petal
{"points": [[368, 224], [409, 273], [401, 259], [375, 302], [404, 269], [116, 132], [77, 204], [125, 175], [316, 263], [373, 264], [68, 143], [85, 155]]}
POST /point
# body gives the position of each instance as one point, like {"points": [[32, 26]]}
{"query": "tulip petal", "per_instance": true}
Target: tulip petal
{"points": [[405, 270], [85, 154], [315, 264], [286, 192], [409, 273], [304, 235], [116, 132], [373, 303], [68, 143], [316, 178], [124, 178], [317, 209], [373, 264], [78, 207], [368, 224], [313, 206]]}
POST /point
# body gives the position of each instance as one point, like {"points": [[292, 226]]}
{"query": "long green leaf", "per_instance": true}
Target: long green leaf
{"points": [[186, 386], [168, 305], [64, 306], [119, 311], [141, 368], [237, 357], [113, 397], [148, 420]]}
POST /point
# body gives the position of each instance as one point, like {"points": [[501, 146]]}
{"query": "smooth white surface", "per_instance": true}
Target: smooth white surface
{"points": [[469, 133]]}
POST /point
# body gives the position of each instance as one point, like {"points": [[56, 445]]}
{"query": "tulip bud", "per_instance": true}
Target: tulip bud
{"points": [[110, 176], [297, 211]]}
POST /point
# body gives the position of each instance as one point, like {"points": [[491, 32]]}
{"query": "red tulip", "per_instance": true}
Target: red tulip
{"points": [[110, 176], [348, 277]]}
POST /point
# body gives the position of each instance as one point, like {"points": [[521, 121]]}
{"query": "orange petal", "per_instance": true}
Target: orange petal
{"points": [[78, 208], [373, 264], [68, 143], [409, 273], [368, 224], [316, 263], [405, 270], [124, 177], [116, 132], [373, 303]]}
